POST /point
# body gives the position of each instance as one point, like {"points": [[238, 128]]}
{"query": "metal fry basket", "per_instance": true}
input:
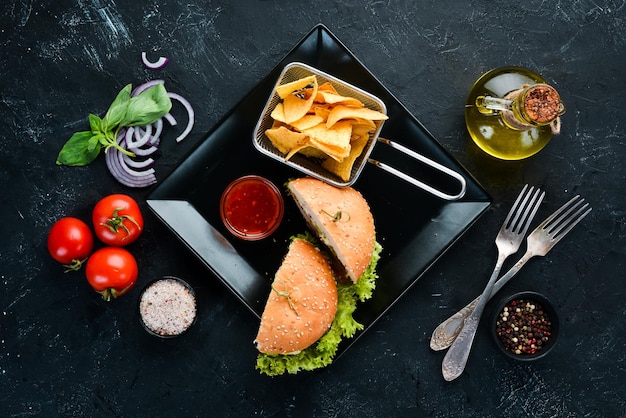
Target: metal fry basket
{"points": [[310, 166]]}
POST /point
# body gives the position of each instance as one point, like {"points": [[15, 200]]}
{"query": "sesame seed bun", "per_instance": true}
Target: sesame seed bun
{"points": [[341, 219], [302, 303]]}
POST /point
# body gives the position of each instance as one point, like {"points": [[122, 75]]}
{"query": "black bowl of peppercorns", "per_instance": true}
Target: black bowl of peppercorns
{"points": [[525, 326]]}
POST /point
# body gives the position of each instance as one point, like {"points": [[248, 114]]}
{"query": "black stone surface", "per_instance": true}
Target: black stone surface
{"points": [[64, 352]]}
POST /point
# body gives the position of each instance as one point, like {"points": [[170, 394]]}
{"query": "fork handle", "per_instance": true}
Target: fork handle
{"points": [[444, 335], [456, 358]]}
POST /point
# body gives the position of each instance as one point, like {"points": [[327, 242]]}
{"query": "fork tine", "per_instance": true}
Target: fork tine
{"points": [[579, 215], [568, 220], [561, 213], [564, 212], [515, 208], [531, 210], [557, 213], [524, 210]]}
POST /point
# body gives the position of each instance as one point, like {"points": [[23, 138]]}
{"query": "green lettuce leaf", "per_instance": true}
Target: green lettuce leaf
{"points": [[322, 353]]}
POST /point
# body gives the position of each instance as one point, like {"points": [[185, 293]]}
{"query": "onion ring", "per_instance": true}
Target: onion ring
{"points": [[190, 113], [128, 160], [154, 65], [144, 152], [135, 139], [146, 86], [171, 119]]}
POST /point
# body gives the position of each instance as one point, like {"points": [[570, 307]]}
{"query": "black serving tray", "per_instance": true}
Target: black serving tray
{"points": [[414, 227]]}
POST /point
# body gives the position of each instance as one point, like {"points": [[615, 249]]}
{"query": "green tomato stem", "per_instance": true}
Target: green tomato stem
{"points": [[112, 293], [116, 222], [75, 265]]}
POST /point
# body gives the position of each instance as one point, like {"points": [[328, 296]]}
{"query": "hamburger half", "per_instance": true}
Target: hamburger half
{"points": [[315, 290], [302, 304], [341, 219]]}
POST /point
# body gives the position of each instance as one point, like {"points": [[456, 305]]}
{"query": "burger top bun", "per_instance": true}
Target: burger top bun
{"points": [[341, 218], [302, 303]]}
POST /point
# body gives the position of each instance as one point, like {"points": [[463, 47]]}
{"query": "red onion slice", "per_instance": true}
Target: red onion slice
{"points": [[171, 119], [122, 172], [154, 65], [129, 161], [158, 128], [190, 114], [155, 139], [131, 179], [135, 138], [146, 86], [130, 171], [144, 152]]}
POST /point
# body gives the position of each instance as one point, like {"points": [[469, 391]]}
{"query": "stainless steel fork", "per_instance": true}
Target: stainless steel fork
{"points": [[508, 241], [539, 242]]}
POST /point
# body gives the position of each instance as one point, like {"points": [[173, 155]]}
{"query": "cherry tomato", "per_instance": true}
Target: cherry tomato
{"points": [[70, 242], [111, 271], [117, 220]]}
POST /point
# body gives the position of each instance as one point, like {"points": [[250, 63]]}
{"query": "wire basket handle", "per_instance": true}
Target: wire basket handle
{"points": [[426, 161]]}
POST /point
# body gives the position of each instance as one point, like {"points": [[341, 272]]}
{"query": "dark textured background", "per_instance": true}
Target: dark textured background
{"points": [[64, 352]]}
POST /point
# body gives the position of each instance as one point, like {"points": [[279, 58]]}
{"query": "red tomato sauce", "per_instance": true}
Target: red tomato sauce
{"points": [[252, 207]]}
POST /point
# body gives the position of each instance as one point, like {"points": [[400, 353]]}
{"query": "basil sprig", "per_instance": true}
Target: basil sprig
{"points": [[143, 109]]}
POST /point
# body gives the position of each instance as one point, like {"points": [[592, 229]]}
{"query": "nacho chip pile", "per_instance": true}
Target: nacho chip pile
{"points": [[318, 122]]}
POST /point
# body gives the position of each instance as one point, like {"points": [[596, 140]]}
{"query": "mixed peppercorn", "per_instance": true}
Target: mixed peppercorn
{"points": [[524, 327]]}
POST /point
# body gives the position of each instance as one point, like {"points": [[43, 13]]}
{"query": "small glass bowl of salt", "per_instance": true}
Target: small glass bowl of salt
{"points": [[167, 307]]}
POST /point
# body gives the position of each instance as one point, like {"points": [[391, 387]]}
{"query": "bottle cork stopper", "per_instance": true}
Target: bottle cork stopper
{"points": [[542, 104]]}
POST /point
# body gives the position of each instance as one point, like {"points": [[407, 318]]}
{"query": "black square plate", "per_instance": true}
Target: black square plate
{"points": [[414, 227]]}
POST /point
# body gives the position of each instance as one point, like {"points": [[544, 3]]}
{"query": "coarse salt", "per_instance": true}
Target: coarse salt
{"points": [[167, 307]]}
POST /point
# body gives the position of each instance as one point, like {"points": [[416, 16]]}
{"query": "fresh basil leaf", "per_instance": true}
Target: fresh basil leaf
{"points": [[106, 139], [147, 107], [117, 111], [95, 123], [76, 150], [95, 141]]}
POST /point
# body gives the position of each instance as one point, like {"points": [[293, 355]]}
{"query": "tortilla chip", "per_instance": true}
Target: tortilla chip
{"points": [[327, 87], [278, 124], [295, 106], [286, 141], [329, 151], [334, 141], [321, 110], [307, 121], [337, 136], [369, 124], [343, 168], [286, 89], [278, 114], [340, 112], [359, 129], [332, 98], [313, 152]]}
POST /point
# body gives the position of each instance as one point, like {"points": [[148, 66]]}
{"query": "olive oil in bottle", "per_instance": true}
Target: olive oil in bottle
{"points": [[511, 113]]}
